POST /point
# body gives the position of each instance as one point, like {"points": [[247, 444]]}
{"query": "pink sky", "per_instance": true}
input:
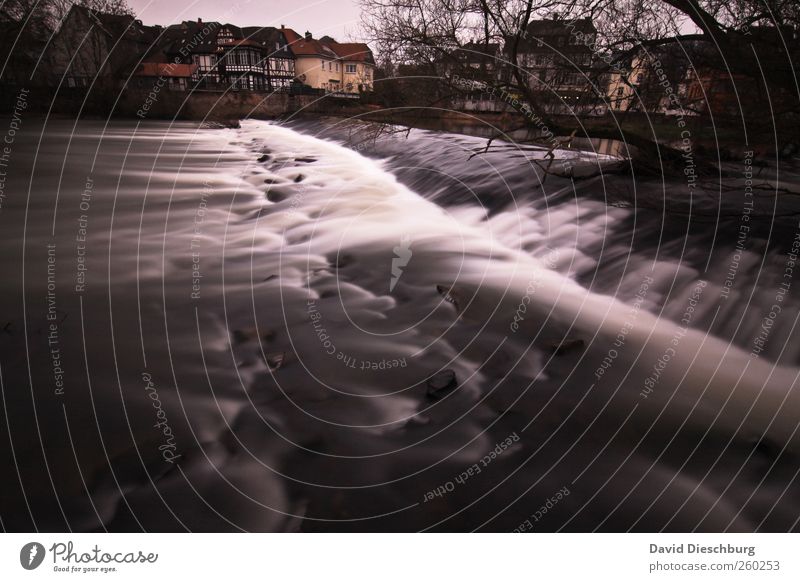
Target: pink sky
{"points": [[337, 18]]}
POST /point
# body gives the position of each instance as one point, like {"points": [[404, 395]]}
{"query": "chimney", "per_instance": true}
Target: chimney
{"points": [[199, 21], [308, 35], [282, 27]]}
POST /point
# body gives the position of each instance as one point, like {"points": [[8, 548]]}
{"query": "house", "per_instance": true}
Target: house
{"points": [[92, 47], [718, 92], [625, 76], [484, 61], [316, 65], [476, 69], [558, 60], [358, 64], [719, 86], [342, 68], [225, 56]]}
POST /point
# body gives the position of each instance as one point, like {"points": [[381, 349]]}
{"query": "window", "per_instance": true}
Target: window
{"points": [[620, 91], [177, 83], [225, 36], [350, 68], [205, 62], [337, 67], [323, 64]]}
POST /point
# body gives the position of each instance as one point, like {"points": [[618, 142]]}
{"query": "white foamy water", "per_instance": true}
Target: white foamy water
{"points": [[294, 300]]}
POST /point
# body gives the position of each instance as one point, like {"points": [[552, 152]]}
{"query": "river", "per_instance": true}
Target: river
{"points": [[322, 325]]}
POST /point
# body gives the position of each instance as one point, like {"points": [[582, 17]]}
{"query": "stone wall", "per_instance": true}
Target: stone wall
{"points": [[153, 102]]}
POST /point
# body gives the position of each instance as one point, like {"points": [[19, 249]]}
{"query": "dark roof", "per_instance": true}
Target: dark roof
{"points": [[491, 49], [351, 51], [152, 69], [548, 31], [197, 37], [201, 38], [479, 52], [271, 38], [557, 26]]}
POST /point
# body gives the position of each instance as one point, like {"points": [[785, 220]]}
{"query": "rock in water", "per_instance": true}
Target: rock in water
{"points": [[241, 336], [450, 296], [275, 360], [563, 347], [441, 384]]}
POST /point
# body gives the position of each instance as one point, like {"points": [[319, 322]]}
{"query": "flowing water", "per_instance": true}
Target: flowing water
{"points": [[338, 326]]}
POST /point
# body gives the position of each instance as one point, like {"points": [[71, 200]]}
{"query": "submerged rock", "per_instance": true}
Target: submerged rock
{"points": [[241, 336], [450, 296], [342, 260], [221, 124], [441, 384], [275, 195], [563, 347], [275, 360]]}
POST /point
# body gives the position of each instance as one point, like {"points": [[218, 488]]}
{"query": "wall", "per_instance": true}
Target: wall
{"points": [[315, 76], [363, 76]]}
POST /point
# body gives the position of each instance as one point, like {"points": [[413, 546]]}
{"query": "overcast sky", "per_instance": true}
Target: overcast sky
{"points": [[336, 18]]}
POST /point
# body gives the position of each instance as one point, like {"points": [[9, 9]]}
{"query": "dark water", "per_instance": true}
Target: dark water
{"points": [[328, 326]]}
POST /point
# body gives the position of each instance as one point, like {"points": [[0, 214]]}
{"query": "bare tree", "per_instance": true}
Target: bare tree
{"points": [[749, 42]]}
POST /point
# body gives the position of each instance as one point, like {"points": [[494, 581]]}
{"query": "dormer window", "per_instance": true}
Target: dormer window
{"points": [[225, 36]]}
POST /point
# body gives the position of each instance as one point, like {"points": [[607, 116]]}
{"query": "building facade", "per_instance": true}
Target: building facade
{"points": [[92, 48], [225, 56], [558, 61], [357, 65], [346, 69]]}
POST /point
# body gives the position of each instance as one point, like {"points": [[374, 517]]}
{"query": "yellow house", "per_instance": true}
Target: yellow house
{"points": [[329, 65], [623, 83], [358, 64]]}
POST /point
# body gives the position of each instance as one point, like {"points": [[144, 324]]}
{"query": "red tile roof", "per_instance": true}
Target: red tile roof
{"points": [[327, 47], [165, 70], [301, 46], [352, 51]]}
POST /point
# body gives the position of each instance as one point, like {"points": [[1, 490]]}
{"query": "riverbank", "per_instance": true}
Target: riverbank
{"points": [[722, 140]]}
